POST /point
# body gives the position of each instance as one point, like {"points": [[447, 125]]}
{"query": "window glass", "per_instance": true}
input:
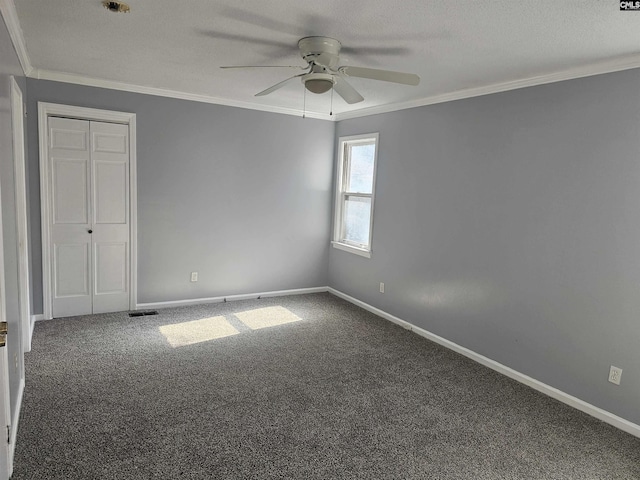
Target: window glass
{"points": [[357, 219], [361, 158]]}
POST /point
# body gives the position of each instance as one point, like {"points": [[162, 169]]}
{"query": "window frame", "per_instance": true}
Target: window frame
{"points": [[343, 166]]}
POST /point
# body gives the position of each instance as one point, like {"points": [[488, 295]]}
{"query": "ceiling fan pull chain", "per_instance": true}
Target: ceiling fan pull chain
{"points": [[331, 109], [304, 101]]}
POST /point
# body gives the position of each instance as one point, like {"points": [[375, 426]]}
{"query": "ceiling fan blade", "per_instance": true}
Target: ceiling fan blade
{"points": [[246, 39], [277, 86], [363, 50], [266, 66], [326, 60], [346, 91], [382, 75], [251, 17]]}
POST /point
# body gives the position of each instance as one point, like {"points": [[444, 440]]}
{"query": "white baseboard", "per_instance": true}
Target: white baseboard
{"points": [[14, 426], [229, 298], [36, 318], [553, 392]]}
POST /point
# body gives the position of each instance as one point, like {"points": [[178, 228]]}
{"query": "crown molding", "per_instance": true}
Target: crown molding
{"points": [[161, 92], [608, 66], [8, 11]]}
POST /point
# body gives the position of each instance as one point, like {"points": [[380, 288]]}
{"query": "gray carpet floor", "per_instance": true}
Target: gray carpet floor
{"points": [[301, 387]]}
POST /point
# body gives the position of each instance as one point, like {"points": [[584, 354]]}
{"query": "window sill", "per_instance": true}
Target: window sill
{"points": [[349, 248]]}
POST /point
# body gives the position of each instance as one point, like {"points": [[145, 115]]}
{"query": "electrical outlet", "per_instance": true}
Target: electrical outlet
{"points": [[194, 276], [381, 287], [615, 374]]}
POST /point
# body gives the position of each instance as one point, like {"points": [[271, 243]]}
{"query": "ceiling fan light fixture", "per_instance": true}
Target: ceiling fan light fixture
{"points": [[318, 82]]}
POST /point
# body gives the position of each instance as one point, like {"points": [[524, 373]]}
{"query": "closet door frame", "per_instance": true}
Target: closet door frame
{"points": [[46, 110]]}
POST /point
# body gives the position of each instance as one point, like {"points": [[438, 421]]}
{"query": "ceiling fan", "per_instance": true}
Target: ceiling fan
{"points": [[323, 72]]}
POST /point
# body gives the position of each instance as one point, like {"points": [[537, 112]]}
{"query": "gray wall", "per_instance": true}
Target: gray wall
{"points": [[9, 65], [243, 197], [510, 224]]}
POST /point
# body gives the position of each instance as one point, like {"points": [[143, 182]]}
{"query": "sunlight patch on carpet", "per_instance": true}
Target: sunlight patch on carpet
{"points": [[197, 331], [267, 317]]}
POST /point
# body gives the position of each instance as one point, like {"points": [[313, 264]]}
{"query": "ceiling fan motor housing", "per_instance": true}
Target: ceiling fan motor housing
{"points": [[324, 49]]}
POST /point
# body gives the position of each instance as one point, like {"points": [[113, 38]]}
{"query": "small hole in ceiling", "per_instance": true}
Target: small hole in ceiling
{"points": [[116, 6]]}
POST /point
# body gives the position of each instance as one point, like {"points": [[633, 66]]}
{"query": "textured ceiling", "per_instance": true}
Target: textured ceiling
{"points": [[452, 45]]}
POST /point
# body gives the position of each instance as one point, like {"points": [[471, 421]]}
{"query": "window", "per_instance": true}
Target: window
{"points": [[355, 185]]}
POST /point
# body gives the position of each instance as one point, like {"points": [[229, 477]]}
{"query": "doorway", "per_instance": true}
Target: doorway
{"points": [[88, 204]]}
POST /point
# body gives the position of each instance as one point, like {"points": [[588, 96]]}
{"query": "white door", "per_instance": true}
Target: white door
{"points": [[89, 224], [17, 110], [6, 467]]}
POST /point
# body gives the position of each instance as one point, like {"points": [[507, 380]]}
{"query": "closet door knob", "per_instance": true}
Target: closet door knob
{"points": [[90, 231]]}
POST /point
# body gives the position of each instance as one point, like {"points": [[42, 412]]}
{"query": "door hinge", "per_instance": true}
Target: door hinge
{"points": [[3, 334], [9, 434]]}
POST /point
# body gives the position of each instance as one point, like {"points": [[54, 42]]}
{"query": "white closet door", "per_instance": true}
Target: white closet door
{"points": [[110, 187], [70, 174], [89, 180]]}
